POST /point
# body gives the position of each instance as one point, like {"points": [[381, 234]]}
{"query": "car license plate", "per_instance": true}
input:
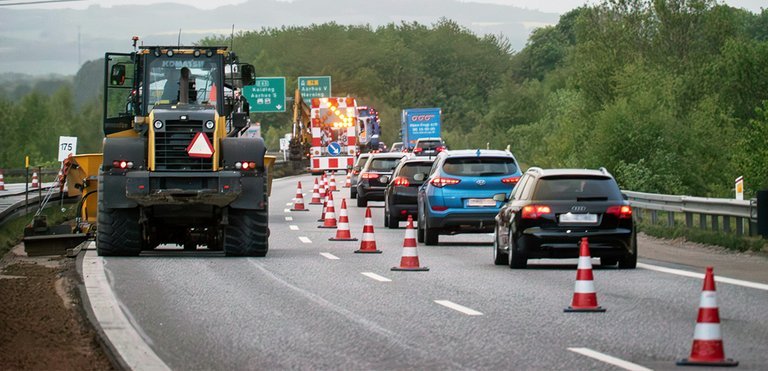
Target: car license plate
{"points": [[481, 202], [578, 218]]}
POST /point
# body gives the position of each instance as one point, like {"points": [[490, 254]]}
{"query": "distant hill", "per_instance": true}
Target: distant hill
{"points": [[40, 42]]}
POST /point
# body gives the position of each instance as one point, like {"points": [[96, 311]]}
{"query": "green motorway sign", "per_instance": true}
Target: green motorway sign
{"points": [[314, 87], [267, 94]]}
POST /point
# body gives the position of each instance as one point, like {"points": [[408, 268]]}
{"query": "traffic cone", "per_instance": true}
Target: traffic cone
{"points": [[322, 186], [298, 202], [584, 296], [410, 259], [333, 182], [368, 243], [342, 232], [330, 213], [707, 340], [35, 182], [348, 182], [2, 181], [325, 201], [315, 195]]}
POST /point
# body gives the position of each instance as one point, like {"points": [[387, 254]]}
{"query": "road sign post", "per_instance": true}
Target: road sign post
{"points": [[267, 94], [314, 87]]}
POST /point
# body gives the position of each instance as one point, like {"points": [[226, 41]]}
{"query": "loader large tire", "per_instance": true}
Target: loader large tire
{"points": [[118, 232], [247, 233]]}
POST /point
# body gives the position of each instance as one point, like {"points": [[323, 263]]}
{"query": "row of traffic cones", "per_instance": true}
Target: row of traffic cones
{"points": [[409, 260], [35, 181], [707, 347]]}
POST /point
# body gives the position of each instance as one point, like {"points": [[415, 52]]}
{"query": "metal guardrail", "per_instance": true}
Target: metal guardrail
{"points": [[712, 213]]}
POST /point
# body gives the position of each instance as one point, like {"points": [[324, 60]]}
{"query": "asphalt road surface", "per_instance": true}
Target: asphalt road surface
{"points": [[314, 304]]}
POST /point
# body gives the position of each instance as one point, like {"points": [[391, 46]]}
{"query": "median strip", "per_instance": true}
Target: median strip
{"points": [[459, 308], [609, 359]]}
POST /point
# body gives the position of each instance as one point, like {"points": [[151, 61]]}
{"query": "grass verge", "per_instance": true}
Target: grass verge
{"points": [[728, 241]]}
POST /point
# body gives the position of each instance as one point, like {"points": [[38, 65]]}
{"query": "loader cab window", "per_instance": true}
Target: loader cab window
{"points": [[165, 77]]}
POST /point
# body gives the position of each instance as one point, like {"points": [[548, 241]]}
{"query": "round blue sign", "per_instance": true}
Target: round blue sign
{"points": [[334, 148]]}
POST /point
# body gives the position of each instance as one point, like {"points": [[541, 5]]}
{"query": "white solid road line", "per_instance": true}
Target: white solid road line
{"points": [[130, 346], [293, 227], [679, 272], [305, 239], [457, 307], [376, 277], [329, 256], [288, 218], [608, 359], [286, 210]]}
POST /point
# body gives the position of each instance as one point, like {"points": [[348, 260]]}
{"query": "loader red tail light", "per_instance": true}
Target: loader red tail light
{"points": [[620, 211], [401, 182], [441, 182], [535, 211], [245, 165], [122, 164]]}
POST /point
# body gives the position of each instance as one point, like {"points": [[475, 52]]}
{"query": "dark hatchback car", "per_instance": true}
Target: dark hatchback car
{"points": [[375, 176], [429, 146], [402, 191], [359, 163], [550, 210]]}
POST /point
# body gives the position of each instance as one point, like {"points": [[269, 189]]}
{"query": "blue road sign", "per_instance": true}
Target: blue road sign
{"points": [[334, 148]]}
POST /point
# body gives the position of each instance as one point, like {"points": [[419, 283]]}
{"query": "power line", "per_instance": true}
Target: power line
{"points": [[3, 2]]}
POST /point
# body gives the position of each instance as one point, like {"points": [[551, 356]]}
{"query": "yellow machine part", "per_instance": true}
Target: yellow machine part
{"points": [[83, 180], [269, 164]]}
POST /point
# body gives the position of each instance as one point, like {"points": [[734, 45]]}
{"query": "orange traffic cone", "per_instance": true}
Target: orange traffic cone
{"points": [[35, 182], [298, 202], [315, 195], [2, 181], [330, 213], [584, 296], [410, 259], [368, 243], [333, 182], [707, 339], [342, 232], [348, 182], [325, 201]]}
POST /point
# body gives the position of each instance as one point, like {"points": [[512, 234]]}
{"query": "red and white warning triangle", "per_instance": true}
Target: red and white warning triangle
{"points": [[200, 146]]}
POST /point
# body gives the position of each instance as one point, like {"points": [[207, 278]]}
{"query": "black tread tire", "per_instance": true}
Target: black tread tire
{"points": [[516, 259], [352, 193], [430, 235], [392, 221], [247, 233], [499, 257], [118, 232], [419, 226], [386, 219], [362, 201], [629, 261]]}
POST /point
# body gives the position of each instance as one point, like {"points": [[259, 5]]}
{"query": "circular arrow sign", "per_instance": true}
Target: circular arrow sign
{"points": [[334, 148]]}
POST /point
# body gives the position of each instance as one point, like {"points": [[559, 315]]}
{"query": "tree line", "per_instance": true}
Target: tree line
{"points": [[670, 95]]}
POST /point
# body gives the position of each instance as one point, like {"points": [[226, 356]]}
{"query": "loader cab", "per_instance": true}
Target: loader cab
{"points": [[139, 82]]}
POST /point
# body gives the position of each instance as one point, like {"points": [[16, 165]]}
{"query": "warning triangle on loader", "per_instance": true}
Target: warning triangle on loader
{"points": [[200, 146]]}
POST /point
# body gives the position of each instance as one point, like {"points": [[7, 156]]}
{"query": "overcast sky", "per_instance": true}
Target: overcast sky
{"points": [[554, 6]]}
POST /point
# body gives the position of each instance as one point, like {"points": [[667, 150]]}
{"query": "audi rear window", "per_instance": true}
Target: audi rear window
{"points": [[479, 166], [429, 144], [577, 189], [361, 161]]}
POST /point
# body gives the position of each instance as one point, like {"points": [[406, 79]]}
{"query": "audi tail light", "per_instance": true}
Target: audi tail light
{"points": [[511, 180], [620, 211], [369, 175], [401, 182], [535, 211], [441, 182], [440, 149], [418, 150]]}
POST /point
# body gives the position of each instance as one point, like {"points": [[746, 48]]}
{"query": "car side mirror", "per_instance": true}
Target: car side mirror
{"points": [[500, 197], [419, 177], [247, 74], [117, 75]]}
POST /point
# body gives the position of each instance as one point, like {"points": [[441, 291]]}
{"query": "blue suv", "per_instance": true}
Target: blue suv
{"points": [[464, 192]]}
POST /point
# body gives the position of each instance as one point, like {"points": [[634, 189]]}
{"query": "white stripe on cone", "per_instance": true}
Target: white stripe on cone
{"points": [[584, 287], [707, 331], [708, 299]]}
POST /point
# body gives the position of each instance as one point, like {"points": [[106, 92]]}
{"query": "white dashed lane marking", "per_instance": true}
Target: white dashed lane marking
{"points": [[305, 239], [609, 359], [288, 218], [293, 227], [732, 281], [329, 256], [459, 308], [376, 277]]}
